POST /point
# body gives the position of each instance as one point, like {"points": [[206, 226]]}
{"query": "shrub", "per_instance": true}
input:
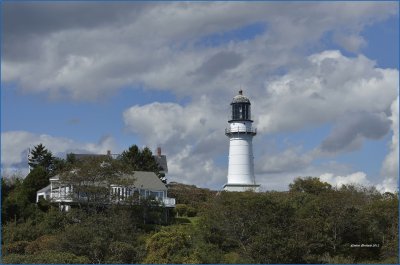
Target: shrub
{"points": [[14, 259], [181, 209], [46, 242], [121, 252], [55, 257], [16, 247], [181, 220], [191, 212]]}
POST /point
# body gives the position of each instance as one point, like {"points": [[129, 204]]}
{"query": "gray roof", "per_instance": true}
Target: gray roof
{"points": [[148, 180], [47, 188], [162, 162], [83, 156], [143, 180]]}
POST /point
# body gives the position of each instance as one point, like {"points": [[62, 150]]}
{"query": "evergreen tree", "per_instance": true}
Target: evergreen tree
{"points": [[142, 160], [132, 156], [40, 156], [37, 179], [71, 158]]}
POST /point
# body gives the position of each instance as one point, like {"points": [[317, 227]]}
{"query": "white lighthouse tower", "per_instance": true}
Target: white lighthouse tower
{"points": [[240, 133]]}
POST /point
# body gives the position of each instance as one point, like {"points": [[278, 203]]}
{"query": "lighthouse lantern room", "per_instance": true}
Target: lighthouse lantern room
{"points": [[241, 133]]}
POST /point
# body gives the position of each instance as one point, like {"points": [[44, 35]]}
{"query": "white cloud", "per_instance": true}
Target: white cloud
{"points": [[163, 123], [185, 167], [192, 136], [390, 166], [357, 178], [85, 56], [350, 132], [329, 88], [388, 185], [291, 159], [158, 46], [280, 180], [351, 42], [15, 145]]}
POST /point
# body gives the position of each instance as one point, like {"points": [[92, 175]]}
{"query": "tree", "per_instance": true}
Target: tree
{"points": [[46, 257], [142, 160], [71, 158], [17, 205], [37, 179], [121, 252], [309, 185], [170, 246], [40, 156], [7, 186], [132, 156]]}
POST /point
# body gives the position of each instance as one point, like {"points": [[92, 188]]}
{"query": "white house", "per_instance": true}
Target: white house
{"points": [[146, 185]]}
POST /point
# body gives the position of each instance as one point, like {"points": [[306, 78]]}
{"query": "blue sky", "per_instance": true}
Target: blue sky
{"points": [[323, 83]]}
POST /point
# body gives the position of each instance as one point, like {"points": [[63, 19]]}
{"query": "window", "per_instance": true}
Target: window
{"points": [[241, 111]]}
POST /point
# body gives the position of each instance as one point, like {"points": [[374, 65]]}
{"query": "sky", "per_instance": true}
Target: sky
{"points": [[322, 78]]}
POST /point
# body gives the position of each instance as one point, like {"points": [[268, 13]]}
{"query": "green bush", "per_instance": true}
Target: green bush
{"points": [[121, 252], [16, 247], [169, 246], [54, 257], [45, 257], [14, 259], [181, 220], [46, 242], [191, 212], [181, 209]]}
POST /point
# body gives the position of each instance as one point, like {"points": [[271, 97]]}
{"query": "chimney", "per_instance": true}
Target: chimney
{"points": [[159, 151], [109, 152]]}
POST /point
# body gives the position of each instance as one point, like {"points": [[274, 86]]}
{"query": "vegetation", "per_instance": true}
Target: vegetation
{"points": [[311, 223], [92, 178], [142, 160], [40, 156]]}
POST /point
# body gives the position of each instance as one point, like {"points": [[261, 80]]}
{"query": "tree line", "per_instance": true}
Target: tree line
{"points": [[312, 222]]}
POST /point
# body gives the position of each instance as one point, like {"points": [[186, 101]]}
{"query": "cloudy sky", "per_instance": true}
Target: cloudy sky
{"points": [[323, 79]]}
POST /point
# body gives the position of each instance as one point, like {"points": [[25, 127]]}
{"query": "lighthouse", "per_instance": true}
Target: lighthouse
{"points": [[241, 133]]}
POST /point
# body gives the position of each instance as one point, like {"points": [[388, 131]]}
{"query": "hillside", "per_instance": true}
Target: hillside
{"points": [[189, 194], [312, 223]]}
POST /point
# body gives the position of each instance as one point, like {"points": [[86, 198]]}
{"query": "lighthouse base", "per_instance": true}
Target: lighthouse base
{"points": [[241, 187]]}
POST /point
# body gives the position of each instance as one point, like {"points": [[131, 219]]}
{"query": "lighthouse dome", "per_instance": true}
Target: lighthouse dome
{"points": [[240, 108], [240, 98]]}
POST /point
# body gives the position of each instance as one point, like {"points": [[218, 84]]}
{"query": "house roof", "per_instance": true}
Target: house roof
{"points": [[147, 180], [83, 156], [45, 189], [56, 177], [143, 180]]}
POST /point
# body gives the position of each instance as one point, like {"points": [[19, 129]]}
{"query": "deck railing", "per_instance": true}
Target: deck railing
{"points": [[69, 197], [169, 202], [240, 129], [57, 196]]}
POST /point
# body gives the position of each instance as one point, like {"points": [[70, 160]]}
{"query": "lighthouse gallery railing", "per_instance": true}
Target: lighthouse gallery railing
{"points": [[240, 130]]}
